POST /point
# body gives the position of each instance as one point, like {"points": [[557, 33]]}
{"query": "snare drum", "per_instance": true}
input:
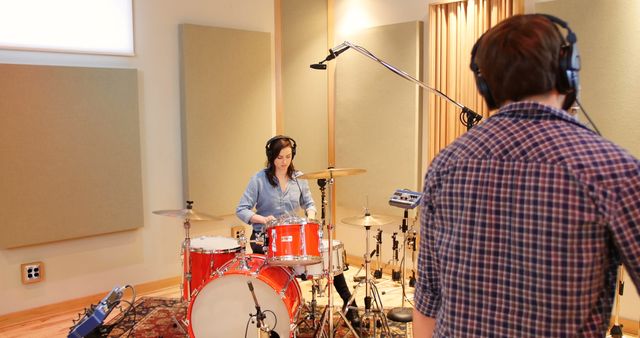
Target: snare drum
{"points": [[222, 306], [319, 270], [294, 241], [207, 254]]}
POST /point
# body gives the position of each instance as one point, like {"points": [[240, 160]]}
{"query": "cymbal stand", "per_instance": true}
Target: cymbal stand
{"points": [[186, 246], [395, 274], [403, 264], [371, 315], [378, 272], [403, 312], [327, 314], [311, 307], [412, 243]]}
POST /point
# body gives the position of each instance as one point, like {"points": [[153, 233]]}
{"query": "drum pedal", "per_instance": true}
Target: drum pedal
{"points": [[359, 278]]}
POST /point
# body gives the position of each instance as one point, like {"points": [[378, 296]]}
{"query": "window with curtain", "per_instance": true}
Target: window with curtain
{"points": [[454, 26]]}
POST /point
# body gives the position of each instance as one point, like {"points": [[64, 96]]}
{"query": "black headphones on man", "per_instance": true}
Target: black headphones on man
{"points": [[567, 81], [269, 146]]}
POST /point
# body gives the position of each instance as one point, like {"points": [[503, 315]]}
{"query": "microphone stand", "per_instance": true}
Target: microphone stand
{"points": [[260, 317], [616, 329], [378, 272], [468, 117]]}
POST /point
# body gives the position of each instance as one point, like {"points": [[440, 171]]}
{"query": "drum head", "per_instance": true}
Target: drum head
{"points": [[214, 244], [223, 305]]}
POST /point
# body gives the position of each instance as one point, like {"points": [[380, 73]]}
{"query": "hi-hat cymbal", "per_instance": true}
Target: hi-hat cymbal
{"points": [[368, 220], [333, 172], [187, 214]]}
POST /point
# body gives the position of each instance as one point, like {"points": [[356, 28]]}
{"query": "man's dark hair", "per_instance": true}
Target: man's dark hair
{"points": [[519, 57]]}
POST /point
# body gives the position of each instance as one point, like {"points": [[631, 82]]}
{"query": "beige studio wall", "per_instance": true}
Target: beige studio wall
{"points": [[303, 106], [349, 127], [95, 264], [606, 32]]}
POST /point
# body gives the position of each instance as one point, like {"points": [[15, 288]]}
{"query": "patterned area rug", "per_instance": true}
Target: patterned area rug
{"points": [[162, 317]]}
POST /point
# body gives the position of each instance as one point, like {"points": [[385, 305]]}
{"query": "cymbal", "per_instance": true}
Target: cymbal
{"points": [[333, 172], [187, 214], [368, 220]]}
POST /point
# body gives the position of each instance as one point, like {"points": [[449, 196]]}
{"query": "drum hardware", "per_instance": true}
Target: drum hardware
{"points": [[373, 316], [187, 215], [372, 220], [330, 174], [616, 329], [311, 308], [412, 241], [404, 314], [378, 272], [395, 274]]}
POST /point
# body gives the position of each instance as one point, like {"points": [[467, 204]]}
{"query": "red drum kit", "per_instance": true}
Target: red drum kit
{"points": [[223, 285], [293, 241]]}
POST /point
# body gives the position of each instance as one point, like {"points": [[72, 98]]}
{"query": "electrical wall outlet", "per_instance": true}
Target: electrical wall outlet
{"points": [[32, 272], [236, 230]]}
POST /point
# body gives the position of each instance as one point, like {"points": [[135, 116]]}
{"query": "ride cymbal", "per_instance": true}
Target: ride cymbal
{"points": [[333, 172], [187, 214], [369, 220]]}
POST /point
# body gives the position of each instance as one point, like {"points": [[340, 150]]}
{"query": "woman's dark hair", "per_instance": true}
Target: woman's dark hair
{"points": [[519, 57], [274, 147]]}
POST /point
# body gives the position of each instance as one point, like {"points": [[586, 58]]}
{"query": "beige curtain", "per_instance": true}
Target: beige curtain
{"points": [[454, 26]]}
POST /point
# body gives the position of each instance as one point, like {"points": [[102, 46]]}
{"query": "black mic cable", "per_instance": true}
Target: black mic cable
{"points": [[584, 112], [302, 205]]}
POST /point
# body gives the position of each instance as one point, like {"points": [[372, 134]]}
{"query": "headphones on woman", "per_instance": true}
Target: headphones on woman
{"points": [[567, 80], [269, 146]]}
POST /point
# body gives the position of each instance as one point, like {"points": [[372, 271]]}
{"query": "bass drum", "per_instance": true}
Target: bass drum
{"points": [[222, 306]]}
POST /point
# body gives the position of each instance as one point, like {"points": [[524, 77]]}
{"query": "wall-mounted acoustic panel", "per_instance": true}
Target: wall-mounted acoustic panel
{"points": [[70, 149], [378, 116], [227, 112], [304, 90]]}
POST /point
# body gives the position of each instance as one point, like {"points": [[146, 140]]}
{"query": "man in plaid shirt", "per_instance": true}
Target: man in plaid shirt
{"points": [[526, 218]]}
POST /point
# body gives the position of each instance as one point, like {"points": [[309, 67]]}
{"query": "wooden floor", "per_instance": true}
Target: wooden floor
{"points": [[56, 320]]}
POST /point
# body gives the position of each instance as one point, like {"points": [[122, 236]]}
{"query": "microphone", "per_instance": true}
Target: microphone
{"points": [[320, 65], [333, 53], [260, 316]]}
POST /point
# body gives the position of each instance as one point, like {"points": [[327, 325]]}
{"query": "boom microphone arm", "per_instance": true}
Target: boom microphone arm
{"points": [[468, 117]]}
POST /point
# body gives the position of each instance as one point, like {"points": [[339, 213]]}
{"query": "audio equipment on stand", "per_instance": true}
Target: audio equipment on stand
{"points": [[330, 175], [372, 317], [406, 200], [378, 272]]}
